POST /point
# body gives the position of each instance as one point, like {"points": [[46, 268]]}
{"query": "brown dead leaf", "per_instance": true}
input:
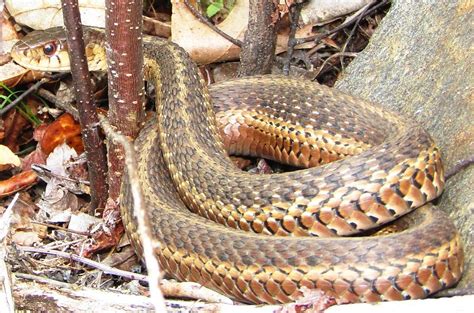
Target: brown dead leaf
{"points": [[155, 27], [16, 124], [17, 182], [125, 260], [111, 231], [210, 46], [2, 130], [63, 129], [331, 43], [302, 32], [35, 157]]}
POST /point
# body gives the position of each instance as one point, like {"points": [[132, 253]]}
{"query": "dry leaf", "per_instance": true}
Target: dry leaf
{"points": [[26, 238], [12, 74], [58, 200], [82, 222], [318, 11], [35, 157], [203, 44], [17, 182], [16, 124], [63, 130], [125, 260], [24, 232], [8, 158], [156, 27], [48, 13], [58, 159], [9, 37]]}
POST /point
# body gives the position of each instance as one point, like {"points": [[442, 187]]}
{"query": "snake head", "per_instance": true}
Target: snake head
{"points": [[48, 50]]}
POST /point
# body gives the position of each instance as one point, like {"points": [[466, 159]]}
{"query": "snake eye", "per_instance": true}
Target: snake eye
{"points": [[50, 48]]}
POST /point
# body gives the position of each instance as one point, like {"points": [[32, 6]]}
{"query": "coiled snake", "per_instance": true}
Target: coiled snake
{"points": [[382, 167]]}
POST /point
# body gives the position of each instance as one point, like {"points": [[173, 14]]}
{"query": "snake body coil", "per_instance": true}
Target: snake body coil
{"points": [[381, 168]]}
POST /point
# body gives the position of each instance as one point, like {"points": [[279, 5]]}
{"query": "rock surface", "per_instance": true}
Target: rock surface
{"points": [[419, 63]]}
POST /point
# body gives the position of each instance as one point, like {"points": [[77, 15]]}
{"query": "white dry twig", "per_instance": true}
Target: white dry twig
{"points": [[6, 300], [139, 211]]}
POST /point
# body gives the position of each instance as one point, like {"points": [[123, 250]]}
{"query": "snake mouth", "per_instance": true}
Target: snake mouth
{"points": [[33, 59]]}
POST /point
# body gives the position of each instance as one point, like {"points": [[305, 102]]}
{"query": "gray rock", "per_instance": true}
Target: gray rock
{"points": [[419, 63]]}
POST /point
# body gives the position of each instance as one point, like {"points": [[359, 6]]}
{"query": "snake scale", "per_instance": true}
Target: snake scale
{"points": [[368, 167]]}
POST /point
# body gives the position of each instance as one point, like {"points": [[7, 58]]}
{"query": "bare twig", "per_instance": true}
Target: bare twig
{"points": [[68, 297], [294, 16], [362, 14], [204, 20], [335, 55], [61, 228], [349, 21], [152, 264], [6, 300], [192, 291], [68, 107], [30, 90], [44, 280], [460, 165], [74, 257], [93, 144]]}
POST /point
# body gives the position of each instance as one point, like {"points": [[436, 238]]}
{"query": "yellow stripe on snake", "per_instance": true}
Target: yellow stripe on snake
{"points": [[380, 167]]}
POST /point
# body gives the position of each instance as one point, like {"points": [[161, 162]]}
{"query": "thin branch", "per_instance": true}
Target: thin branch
{"points": [[363, 12], [30, 90], [351, 20], [74, 257], [459, 166], [43, 280], [68, 107], [86, 234], [144, 229], [7, 301], [93, 144], [204, 20], [335, 55], [294, 15]]}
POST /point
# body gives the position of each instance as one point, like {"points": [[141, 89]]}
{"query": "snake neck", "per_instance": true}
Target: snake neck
{"points": [[186, 120]]}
